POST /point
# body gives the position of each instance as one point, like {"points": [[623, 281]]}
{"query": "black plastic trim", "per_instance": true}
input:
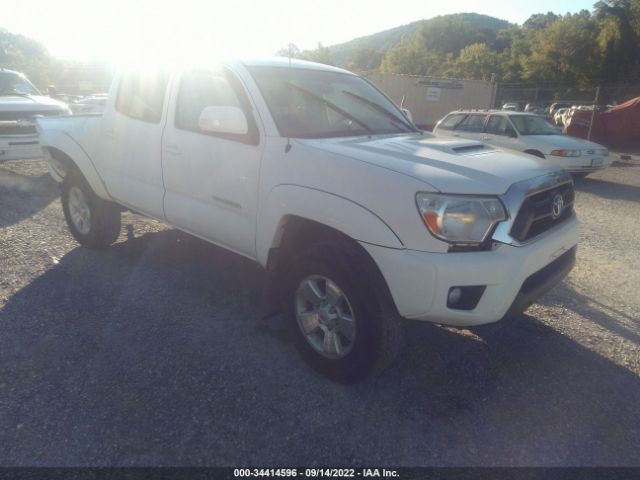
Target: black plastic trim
{"points": [[542, 281]]}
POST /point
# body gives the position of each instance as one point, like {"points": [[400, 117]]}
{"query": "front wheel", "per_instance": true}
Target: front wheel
{"points": [[333, 312], [93, 222]]}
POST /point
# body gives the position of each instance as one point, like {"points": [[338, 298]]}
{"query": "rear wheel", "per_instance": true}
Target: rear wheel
{"points": [[93, 222], [334, 314]]}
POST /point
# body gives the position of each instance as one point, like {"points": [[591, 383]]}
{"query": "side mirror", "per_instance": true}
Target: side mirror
{"points": [[407, 114], [512, 133], [223, 120]]}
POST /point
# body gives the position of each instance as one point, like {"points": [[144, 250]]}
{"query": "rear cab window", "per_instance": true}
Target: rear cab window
{"points": [[141, 95]]}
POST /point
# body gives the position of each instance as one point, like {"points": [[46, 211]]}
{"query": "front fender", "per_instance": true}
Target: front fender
{"points": [[55, 140], [342, 214]]}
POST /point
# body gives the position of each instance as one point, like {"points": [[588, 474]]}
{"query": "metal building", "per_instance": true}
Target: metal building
{"points": [[431, 98]]}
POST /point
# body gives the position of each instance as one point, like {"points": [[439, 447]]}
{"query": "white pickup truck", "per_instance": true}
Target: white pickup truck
{"points": [[359, 218]]}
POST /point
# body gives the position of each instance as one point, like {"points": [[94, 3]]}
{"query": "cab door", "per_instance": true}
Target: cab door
{"points": [[211, 179], [133, 136]]}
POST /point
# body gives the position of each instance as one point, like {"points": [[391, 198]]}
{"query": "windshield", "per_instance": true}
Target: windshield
{"points": [[12, 83], [533, 125], [309, 103]]}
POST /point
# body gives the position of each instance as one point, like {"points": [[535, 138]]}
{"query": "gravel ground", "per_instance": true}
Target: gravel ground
{"points": [[152, 353]]}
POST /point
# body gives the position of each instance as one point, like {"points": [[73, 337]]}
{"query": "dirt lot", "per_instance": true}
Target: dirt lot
{"points": [[152, 353]]}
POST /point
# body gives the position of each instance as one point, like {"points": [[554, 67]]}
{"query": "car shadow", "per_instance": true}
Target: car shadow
{"points": [[24, 195], [152, 353], [623, 164], [608, 189], [606, 316]]}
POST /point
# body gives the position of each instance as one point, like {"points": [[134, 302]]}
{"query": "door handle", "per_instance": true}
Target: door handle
{"points": [[173, 149], [485, 137]]}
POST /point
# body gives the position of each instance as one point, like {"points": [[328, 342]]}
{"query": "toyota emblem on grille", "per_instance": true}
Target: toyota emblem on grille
{"points": [[557, 205]]}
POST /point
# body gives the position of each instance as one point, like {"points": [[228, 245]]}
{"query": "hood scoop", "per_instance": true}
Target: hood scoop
{"points": [[460, 147], [475, 148], [444, 145]]}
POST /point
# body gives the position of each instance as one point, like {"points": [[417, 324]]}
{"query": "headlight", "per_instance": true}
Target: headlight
{"points": [[603, 151], [460, 219], [565, 153]]}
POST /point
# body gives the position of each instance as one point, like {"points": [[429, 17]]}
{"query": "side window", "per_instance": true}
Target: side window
{"points": [[200, 88], [452, 121], [141, 95], [499, 125], [496, 125], [473, 123]]}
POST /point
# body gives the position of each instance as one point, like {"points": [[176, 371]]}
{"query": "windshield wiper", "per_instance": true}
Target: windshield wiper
{"points": [[379, 109], [330, 105]]}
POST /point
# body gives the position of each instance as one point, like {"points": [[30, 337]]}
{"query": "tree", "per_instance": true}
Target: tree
{"points": [[448, 35], [365, 59], [476, 61], [27, 56], [618, 39], [540, 21], [512, 47], [291, 50], [563, 51], [321, 54]]}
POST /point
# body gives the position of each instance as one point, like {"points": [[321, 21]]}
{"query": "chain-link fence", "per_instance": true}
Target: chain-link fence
{"points": [[548, 93], [619, 127]]}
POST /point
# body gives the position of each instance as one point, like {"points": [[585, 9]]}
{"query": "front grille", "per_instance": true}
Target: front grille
{"points": [[17, 128], [536, 213]]}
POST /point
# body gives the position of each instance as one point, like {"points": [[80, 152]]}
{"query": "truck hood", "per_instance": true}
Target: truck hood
{"points": [[447, 165], [36, 103], [553, 142]]}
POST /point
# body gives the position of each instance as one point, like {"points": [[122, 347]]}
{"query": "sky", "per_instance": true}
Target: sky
{"points": [[130, 30]]}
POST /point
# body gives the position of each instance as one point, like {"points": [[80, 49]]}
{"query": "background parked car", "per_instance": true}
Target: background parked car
{"points": [[566, 115], [20, 103], [513, 106], [558, 116], [617, 126], [554, 107], [527, 133], [535, 108], [91, 104]]}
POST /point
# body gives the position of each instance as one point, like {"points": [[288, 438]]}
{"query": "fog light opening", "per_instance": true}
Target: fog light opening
{"points": [[455, 294], [465, 298]]}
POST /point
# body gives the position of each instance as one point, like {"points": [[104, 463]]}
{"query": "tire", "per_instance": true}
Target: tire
{"points": [[93, 222], [535, 153], [377, 334]]}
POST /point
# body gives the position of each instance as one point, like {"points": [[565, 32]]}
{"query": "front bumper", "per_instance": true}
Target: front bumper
{"points": [[17, 147], [583, 163], [514, 276]]}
